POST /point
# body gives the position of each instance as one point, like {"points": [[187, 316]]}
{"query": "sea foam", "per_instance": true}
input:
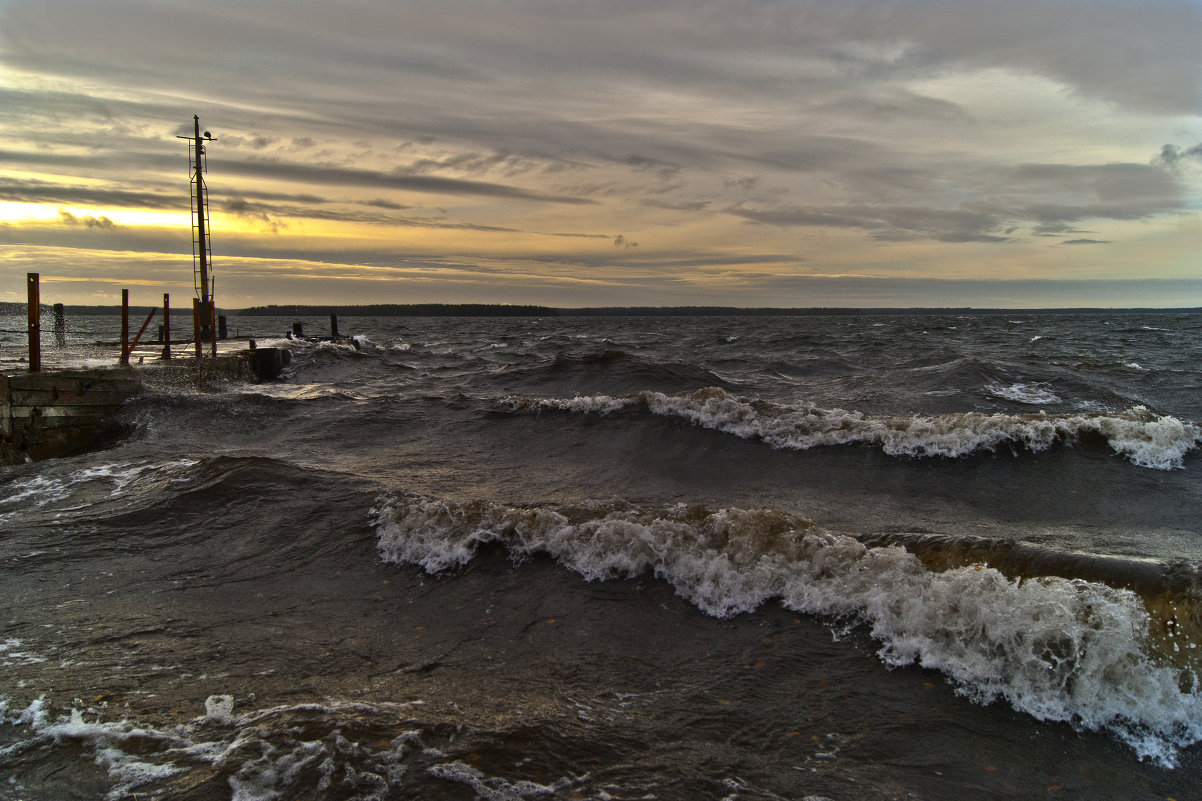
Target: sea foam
{"points": [[1057, 649], [268, 755], [1146, 439]]}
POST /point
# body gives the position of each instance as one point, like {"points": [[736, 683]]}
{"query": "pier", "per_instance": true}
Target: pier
{"points": [[68, 407], [67, 410], [66, 404]]}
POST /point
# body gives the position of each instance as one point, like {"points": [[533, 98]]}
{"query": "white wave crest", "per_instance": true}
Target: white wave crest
{"points": [[1056, 649], [1146, 439], [264, 752], [1030, 394], [111, 744], [87, 485]]}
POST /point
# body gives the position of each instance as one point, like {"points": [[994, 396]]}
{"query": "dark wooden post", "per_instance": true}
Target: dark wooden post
{"points": [[125, 326], [35, 322], [166, 326], [333, 326], [60, 326]]}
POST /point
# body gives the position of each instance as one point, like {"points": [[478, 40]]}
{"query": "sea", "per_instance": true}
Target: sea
{"points": [[819, 558]]}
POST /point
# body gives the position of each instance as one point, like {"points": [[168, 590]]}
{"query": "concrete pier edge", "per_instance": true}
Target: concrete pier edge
{"points": [[65, 412]]}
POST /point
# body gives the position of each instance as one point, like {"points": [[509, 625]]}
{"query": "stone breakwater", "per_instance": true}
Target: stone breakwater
{"points": [[70, 411]]}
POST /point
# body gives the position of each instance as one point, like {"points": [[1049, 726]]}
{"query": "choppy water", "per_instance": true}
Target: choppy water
{"points": [[618, 558]]}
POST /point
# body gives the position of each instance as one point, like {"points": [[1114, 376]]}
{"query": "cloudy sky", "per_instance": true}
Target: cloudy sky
{"points": [[586, 153]]}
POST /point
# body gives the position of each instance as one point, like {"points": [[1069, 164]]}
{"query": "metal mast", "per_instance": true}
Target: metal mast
{"points": [[202, 253]]}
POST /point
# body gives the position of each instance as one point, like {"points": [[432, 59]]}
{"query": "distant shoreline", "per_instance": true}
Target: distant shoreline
{"points": [[505, 310]]}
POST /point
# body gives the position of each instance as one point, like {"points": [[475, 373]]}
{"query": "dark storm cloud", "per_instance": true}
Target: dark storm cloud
{"points": [[472, 163], [344, 176], [1003, 204], [240, 207], [1175, 157], [386, 204], [41, 191], [1139, 184], [103, 223], [275, 216], [886, 224], [32, 191]]}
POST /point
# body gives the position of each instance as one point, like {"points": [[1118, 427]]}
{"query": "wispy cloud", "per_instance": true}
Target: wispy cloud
{"points": [[655, 148]]}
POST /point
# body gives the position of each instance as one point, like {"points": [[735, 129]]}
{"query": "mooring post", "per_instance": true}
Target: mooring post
{"points": [[35, 323], [60, 326], [166, 326], [333, 326], [125, 326], [223, 331]]}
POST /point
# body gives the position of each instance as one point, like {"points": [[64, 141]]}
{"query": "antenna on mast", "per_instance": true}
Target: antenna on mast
{"points": [[202, 278]]}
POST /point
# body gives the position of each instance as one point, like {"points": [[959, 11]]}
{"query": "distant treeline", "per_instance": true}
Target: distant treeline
{"points": [[505, 310], [401, 310]]}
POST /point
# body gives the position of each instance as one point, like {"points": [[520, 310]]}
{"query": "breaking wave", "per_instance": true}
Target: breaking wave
{"points": [[1057, 649], [1146, 439], [347, 749]]}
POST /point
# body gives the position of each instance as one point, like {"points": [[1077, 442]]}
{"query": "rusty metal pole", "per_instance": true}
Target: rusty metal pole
{"points": [[200, 211], [202, 233], [35, 322], [166, 326], [125, 326]]}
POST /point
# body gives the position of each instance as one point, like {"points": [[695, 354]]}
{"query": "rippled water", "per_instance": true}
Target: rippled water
{"points": [[842, 557]]}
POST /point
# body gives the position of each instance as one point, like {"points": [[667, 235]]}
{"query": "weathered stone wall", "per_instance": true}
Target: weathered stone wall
{"points": [[65, 412], [60, 413]]}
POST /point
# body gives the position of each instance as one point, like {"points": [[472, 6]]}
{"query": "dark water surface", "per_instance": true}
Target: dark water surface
{"points": [[626, 558]]}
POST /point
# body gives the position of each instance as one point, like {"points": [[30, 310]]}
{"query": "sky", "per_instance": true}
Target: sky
{"points": [[782, 153]]}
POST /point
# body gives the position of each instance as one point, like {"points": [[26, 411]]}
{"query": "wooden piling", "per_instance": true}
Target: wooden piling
{"points": [[124, 326], [35, 322], [60, 326], [166, 326]]}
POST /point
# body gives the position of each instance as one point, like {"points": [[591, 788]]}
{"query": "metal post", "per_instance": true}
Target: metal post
{"points": [[213, 328], [137, 338], [166, 326], [35, 322], [200, 213]]}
